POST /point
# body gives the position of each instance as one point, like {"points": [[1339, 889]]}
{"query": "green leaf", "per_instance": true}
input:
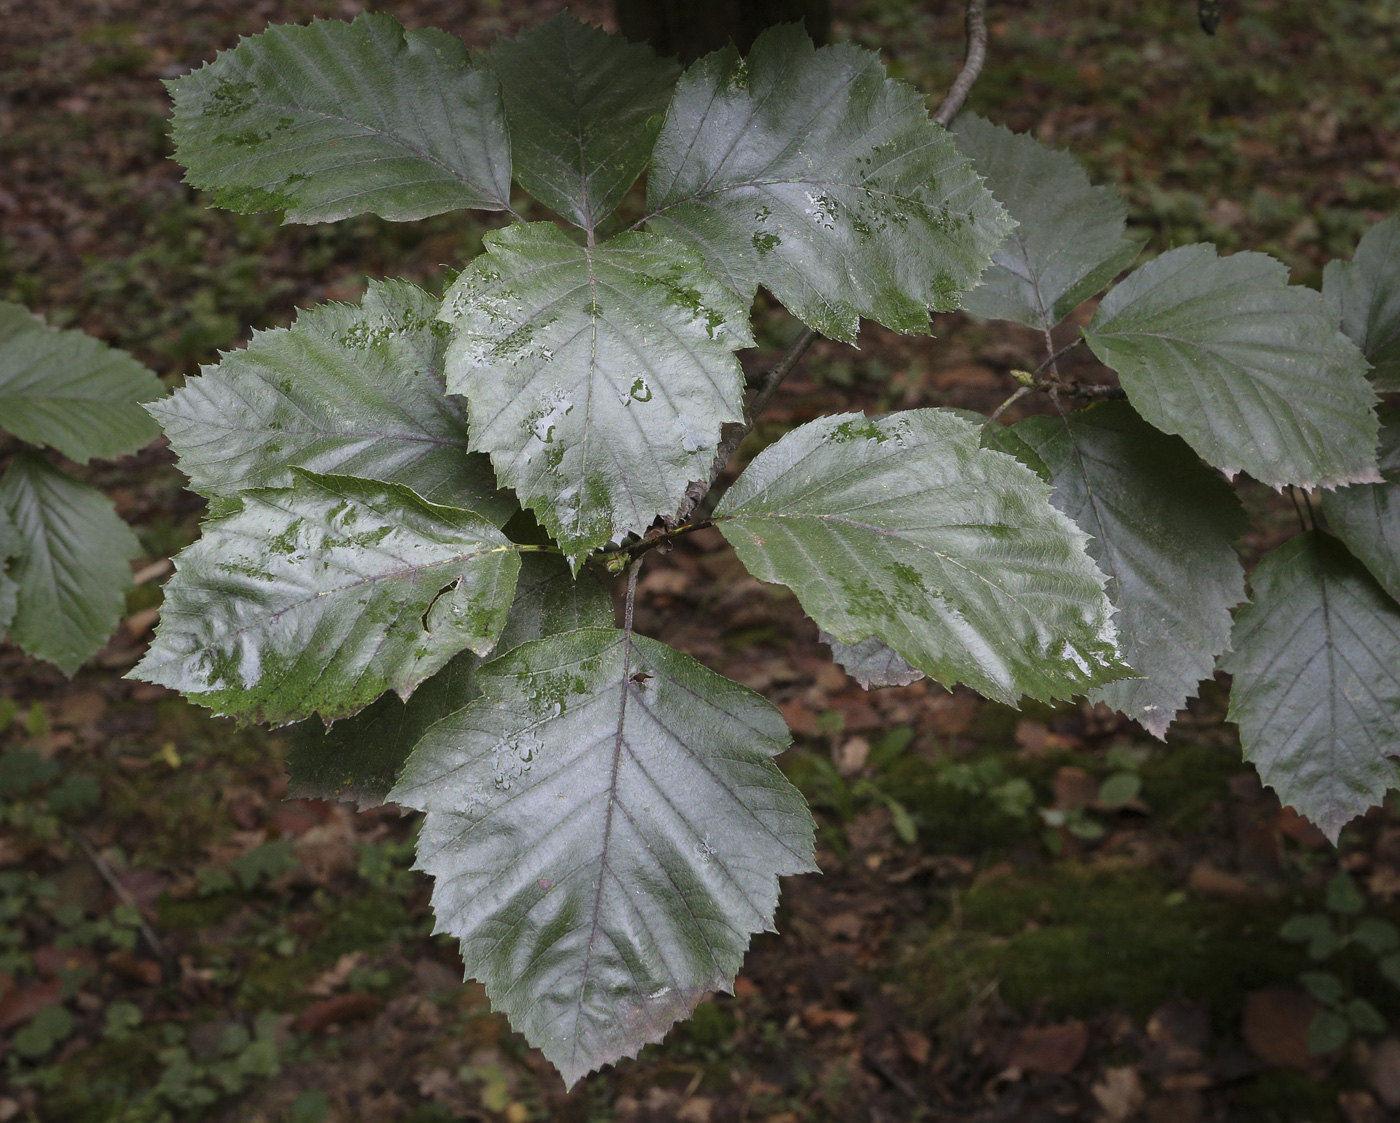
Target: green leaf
{"points": [[359, 757], [1307, 928], [1120, 789], [1316, 667], [1364, 1017], [606, 828], [1069, 242], [904, 528], [1323, 986], [347, 391], [1365, 292], [322, 596], [1367, 516], [11, 545], [1160, 525], [584, 108], [1343, 897], [1250, 370], [1001, 438], [1328, 1031], [1376, 935], [810, 173], [871, 662], [598, 377], [66, 389], [332, 119], [72, 575]]}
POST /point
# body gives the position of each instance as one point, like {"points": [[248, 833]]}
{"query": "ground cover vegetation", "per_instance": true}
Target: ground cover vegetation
{"points": [[935, 790]]}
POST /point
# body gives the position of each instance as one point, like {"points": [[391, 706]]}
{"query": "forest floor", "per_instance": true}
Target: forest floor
{"points": [[179, 942]]}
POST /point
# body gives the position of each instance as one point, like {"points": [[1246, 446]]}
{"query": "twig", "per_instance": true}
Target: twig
{"points": [[1053, 361], [697, 492], [972, 66], [109, 875], [632, 572], [1020, 392]]}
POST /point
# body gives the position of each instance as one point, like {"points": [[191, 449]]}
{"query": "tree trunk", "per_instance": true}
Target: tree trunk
{"points": [[687, 29]]}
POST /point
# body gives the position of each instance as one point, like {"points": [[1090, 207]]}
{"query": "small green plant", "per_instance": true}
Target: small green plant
{"points": [[63, 550], [1327, 934], [416, 505]]}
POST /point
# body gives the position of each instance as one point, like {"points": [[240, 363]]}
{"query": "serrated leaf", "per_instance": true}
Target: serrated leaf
{"points": [[1070, 240], [1251, 371], [1160, 525], [605, 828], [1365, 292], [70, 391], [1316, 667], [332, 119], [72, 573], [901, 526], [871, 662], [324, 595], [809, 172], [1003, 438], [598, 377], [345, 391], [359, 758], [1367, 516], [584, 108]]}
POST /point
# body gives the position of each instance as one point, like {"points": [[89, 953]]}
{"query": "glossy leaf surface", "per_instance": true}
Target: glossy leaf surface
{"points": [[1160, 526], [359, 758], [597, 377], [346, 391], [72, 571], [68, 390], [1316, 692], [605, 829], [1070, 240], [1251, 371], [1367, 516], [584, 108], [809, 172], [902, 527], [322, 596], [334, 118], [1365, 292]]}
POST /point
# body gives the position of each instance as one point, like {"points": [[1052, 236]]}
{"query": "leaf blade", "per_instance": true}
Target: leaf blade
{"points": [[343, 391], [70, 391], [891, 223], [1316, 687], [902, 526], [584, 108], [1251, 371], [71, 575], [598, 377], [1365, 293], [1160, 525], [1367, 516], [1070, 237], [332, 119], [287, 607], [650, 760]]}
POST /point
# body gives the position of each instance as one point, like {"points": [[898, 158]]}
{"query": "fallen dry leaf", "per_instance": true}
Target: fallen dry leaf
{"points": [[1276, 1021], [336, 1011], [1119, 1093], [1049, 1050]]}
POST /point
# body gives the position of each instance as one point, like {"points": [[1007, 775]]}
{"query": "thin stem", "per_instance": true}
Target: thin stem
{"points": [[632, 572], [696, 493], [1053, 360], [101, 865], [652, 540], [1021, 392], [972, 66], [1307, 502], [1298, 508]]}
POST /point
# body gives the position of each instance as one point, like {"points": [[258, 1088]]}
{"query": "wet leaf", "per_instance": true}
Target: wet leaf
{"points": [[1069, 241], [72, 574], [584, 108], [334, 118], [605, 828], [70, 391], [598, 377], [871, 662], [1251, 371], [809, 172], [1365, 292], [347, 391], [1160, 525], [903, 527], [1367, 516], [322, 596], [359, 758], [1316, 667]]}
